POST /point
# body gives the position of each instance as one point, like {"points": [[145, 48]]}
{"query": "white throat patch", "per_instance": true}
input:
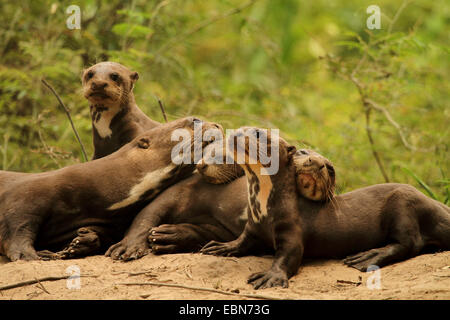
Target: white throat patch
{"points": [[151, 181], [102, 125]]}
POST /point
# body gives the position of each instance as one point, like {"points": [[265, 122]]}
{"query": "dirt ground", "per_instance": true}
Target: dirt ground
{"points": [[423, 277]]}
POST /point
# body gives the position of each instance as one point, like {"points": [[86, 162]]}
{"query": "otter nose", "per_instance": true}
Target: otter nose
{"points": [[96, 85], [311, 161], [201, 166]]}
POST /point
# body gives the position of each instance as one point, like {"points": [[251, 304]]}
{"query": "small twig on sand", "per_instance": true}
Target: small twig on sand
{"points": [[68, 116], [172, 285], [131, 274], [349, 282], [42, 286], [30, 282]]}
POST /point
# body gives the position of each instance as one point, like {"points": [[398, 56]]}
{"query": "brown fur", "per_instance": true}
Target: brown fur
{"points": [[191, 213], [116, 119], [385, 223], [49, 209]]}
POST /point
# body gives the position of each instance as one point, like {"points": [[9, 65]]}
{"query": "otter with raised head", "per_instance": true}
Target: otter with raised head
{"points": [[116, 119], [47, 210], [385, 223], [210, 205]]}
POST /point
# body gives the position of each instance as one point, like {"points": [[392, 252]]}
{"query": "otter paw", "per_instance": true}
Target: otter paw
{"points": [[363, 260], [87, 242], [268, 279], [167, 238], [126, 250], [48, 255], [25, 254], [216, 248]]}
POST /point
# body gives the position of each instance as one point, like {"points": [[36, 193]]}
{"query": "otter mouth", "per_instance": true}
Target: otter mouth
{"points": [[308, 178], [99, 95], [309, 172]]}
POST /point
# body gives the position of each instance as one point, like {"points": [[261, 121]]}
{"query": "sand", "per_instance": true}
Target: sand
{"points": [[423, 277]]}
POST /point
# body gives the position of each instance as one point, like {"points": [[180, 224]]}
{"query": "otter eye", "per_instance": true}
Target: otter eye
{"points": [[89, 75], [114, 77], [303, 151]]}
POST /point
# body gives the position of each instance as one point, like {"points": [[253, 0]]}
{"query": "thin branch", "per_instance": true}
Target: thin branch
{"points": [[349, 282], [162, 110], [372, 145], [48, 149], [367, 108], [42, 286], [388, 116], [30, 282], [203, 25], [131, 274], [172, 285], [68, 116], [397, 15]]}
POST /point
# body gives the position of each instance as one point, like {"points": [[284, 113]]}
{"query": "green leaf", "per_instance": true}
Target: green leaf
{"points": [[349, 44], [420, 182]]}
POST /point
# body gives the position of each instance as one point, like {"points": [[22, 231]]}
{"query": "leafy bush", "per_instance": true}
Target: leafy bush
{"points": [[271, 63]]}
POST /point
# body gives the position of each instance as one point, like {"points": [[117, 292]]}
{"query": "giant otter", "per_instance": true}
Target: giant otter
{"points": [[379, 225], [116, 119], [210, 205], [48, 209]]}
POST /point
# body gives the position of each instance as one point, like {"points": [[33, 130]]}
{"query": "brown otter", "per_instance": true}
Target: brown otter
{"points": [[48, 209], [116, 119], [193, 212], [385, 223]]}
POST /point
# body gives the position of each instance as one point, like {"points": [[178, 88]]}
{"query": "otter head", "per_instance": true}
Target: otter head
{"points": [[263, 147], [109, 84], [214, 167], [246, 145], [171, 145], [315, 175], [151, 154]]}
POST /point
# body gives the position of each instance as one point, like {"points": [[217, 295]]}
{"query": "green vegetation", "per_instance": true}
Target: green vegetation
{"points": [[374, 101]]}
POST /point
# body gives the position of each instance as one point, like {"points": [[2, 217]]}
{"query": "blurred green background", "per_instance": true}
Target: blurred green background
{"points": [[310, 68]]}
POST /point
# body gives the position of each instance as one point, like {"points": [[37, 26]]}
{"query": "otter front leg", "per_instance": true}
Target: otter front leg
{"points": [[288, 257], [88, 242], [185, 237], [134, 245], [239, 247], [19, 243]]}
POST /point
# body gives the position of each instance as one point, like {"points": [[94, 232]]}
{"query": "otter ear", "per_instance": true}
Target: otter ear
{"points": [[291, 150], [134, 76], [331, 173], [144, 143]]}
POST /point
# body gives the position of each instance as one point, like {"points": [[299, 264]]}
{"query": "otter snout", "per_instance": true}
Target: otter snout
{"points": [[98, 85], [313, 161], [201, 167]]}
